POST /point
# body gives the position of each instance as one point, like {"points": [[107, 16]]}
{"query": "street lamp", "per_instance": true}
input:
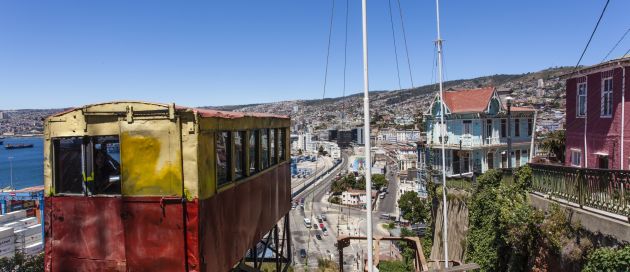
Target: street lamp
{"points": [[509, 130]]}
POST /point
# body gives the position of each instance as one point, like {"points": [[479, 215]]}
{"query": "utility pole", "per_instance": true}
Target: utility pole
{"points": [[509, 131], [366, 124], [443, 131]]}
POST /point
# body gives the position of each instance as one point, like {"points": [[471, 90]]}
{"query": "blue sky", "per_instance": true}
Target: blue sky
{"points": [[69, 53]]}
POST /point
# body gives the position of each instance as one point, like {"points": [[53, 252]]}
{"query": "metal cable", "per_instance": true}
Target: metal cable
{"points": [[585, 47], [617, 44], [345, 64], [391, 20], [402, 24], [591, 38], [332, 13]]}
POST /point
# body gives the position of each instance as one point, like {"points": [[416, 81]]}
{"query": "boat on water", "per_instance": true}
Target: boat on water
{"points": [[18, 146]]}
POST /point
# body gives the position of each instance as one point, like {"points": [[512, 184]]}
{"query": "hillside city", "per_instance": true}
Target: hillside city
{"points": [[514, 156]]}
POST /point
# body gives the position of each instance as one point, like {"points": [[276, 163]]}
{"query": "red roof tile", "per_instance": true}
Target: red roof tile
{"points": [[473, 100]]}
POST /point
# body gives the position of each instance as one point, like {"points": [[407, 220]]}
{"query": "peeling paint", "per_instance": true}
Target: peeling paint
{"points": [[147, 169]]}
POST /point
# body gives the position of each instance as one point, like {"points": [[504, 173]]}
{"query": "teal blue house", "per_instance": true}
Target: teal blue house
{"points": [[476, 133]]}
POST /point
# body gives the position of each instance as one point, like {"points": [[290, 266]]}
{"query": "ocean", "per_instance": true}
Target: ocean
{"points": [[28, 163]]}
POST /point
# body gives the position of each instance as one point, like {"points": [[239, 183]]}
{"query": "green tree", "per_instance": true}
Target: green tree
{"points": [[414, 209], [554, 143], [503, 226], [379, 181]]}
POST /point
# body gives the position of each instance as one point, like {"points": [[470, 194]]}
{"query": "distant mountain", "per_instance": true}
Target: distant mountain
{"points": [[542, 90]]}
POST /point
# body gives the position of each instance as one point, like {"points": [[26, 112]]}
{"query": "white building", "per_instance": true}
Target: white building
{"points": [[355, 197], [407, 158]]}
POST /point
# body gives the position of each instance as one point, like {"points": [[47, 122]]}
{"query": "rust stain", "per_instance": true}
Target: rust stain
{"points": [[147, 169]]}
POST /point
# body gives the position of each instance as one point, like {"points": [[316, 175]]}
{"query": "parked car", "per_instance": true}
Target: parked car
{"points": [[303, 253], [319, 237], [321, 225], [324, 217]]}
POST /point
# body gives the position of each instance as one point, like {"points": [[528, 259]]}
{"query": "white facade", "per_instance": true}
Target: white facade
{"points": [[355, 197]]}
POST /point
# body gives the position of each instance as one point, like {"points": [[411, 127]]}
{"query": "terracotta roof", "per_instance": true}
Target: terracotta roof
{"points": [[472, 100]]}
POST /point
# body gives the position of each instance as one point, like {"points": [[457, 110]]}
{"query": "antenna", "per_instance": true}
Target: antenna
{"points": [[442, 132], [366, 136]]}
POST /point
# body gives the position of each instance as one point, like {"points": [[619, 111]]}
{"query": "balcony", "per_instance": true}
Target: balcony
{"points": [[469, 141]]}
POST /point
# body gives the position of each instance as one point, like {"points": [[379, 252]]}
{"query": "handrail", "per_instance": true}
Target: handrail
{"points": [[603, 189]]}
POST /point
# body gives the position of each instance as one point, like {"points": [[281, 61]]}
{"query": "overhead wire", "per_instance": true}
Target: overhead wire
{"points": [[391, 20], [591, 37], [332, 13], [617, 44], [345, 65], [601, 15], [402, 24]]}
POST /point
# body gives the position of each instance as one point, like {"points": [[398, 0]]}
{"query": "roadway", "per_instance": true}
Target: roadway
{"points": [[340, 220]]}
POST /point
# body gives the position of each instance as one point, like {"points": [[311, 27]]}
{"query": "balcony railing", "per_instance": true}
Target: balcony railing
{"points": [[607, 190], [468, 140]]}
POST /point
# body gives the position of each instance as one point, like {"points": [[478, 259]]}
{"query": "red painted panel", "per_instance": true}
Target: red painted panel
{"points": [[156, 234], [79, 229], [234, 220], [115, 234]]}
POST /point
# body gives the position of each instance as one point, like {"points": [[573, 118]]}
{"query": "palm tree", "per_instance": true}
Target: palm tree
{"points": [[554, 143]]}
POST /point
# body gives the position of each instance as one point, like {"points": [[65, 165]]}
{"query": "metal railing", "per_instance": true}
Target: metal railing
{"points": [[602, 189]]}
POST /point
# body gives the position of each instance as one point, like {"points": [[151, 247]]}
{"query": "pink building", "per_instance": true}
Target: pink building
{"points": [[598, 116]]}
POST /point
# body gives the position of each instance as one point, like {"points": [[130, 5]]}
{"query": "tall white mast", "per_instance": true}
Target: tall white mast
{"points": [[366, 136], [443, 131]]}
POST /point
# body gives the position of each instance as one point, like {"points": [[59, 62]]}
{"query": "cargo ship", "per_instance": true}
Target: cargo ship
{"points": [[18, 146]]}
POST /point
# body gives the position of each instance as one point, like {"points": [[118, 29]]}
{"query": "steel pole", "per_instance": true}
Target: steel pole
{"points": [[366, 136], [442, 131], [509, 134]]}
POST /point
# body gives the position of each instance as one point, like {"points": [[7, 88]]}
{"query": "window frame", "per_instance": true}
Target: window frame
{"points": [[87, 165], [244, 144], [257, 154], [530, 126], [466, 127], [264, 153], [606, 107], [282, 144], [489, 129], [517, 127], [273, 147], [575, 152], [229, 161], [580, 97], [503, 128]]}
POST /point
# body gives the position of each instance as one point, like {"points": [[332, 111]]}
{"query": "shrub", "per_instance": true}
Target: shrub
{"points": [[22, 263], [608, 259]]}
